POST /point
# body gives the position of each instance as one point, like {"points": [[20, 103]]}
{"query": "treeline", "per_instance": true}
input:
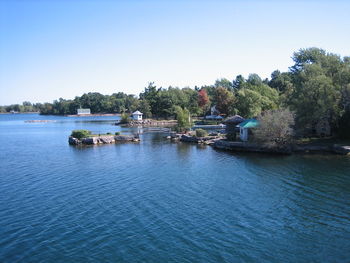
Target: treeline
{"points": [[26, 106], [316, 88]]}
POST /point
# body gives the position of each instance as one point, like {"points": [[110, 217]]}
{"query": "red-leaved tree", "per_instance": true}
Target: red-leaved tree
{"points": [[203, 99]]}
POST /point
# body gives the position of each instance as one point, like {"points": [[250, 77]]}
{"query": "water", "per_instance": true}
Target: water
{"points": [[157, 201]]}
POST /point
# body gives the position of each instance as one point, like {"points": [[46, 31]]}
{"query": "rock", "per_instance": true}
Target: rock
{"points": [[125, 138], [250, 147], [312, 148], [194, 139], [341, 149], [73, 141], [187, 138], [106, 139], [90, 140]]}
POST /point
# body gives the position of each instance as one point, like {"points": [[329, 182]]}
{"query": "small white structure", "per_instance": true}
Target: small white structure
{"points": [[245, 126], [243, 134], [137, 116], [83, 111]]}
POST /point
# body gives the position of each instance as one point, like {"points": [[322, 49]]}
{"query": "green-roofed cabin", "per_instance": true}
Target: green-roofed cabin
{"points": [[245, 126]]}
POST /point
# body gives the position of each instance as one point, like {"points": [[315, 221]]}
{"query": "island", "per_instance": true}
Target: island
{"points": [[85, 137]]}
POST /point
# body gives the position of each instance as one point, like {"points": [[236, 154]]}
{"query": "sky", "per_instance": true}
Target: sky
{"points": [[62, 49]]}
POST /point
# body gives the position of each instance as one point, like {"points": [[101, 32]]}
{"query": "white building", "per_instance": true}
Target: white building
{"points": [[137, 116], [245, 126], [83, 111]]}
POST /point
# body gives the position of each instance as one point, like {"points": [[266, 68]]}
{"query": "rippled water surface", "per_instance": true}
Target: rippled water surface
{"points": [[157, 201]]}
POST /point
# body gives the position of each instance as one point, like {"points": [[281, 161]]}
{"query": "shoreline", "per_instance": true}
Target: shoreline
{"points": [[218, 142], [27, 112], [90, 115], [285, 150]]}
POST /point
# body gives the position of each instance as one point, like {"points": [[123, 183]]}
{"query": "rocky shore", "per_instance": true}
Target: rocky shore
{"points": [[288, 149], [210, 140], [149, 123], [105, 139]]}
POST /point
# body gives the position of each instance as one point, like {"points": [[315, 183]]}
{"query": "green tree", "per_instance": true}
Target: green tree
{"points": [[145, 108], [79, 134], [238, 82], [224, 83], [183, 118], [249, 103], [224, 100]]}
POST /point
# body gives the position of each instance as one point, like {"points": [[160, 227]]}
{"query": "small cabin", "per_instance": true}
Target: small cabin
{"points": [[245, 126], [231, 126], [83, 111], [137, 116]]}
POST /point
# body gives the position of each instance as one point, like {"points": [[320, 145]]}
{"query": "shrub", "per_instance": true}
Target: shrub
{"points": [[125, 118], [79, 134], [183, 118], [201, 133], [276, 127], [117, 133]]}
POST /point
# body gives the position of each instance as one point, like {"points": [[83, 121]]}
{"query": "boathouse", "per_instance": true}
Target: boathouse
{"points": [[83, 111], [245, 126], [231, 126], [137, 116]]}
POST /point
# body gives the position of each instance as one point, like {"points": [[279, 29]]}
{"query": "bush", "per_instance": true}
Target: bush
{"points": [[275, 128], [125, 118], [79, 134], [201, 133], [183, 118], [108, 133], [117, 133]]}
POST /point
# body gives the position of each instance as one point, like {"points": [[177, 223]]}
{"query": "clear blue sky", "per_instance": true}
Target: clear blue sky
{"points": [[52, 49]]}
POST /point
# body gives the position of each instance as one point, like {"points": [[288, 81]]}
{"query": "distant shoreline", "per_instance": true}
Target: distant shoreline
{"points": [[27, 112], [70, 115], [95, 114]]}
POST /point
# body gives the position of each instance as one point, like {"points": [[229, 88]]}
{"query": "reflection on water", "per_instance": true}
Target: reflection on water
{"points": [[159, 201]]}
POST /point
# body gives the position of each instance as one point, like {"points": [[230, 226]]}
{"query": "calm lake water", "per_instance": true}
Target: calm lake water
{"points": [[157, 201]]}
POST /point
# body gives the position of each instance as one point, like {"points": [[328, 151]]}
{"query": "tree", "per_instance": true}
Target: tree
{"points": [[151, 95], [224, 100], [224, 83], [203, 99], [253, 99], [281, 81], [238, 82], [79, 134], [275, 127], [192, 101], [125, 118], [249, 103], [315, 97], [254, 79], [183, 118], [145, 108]]}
